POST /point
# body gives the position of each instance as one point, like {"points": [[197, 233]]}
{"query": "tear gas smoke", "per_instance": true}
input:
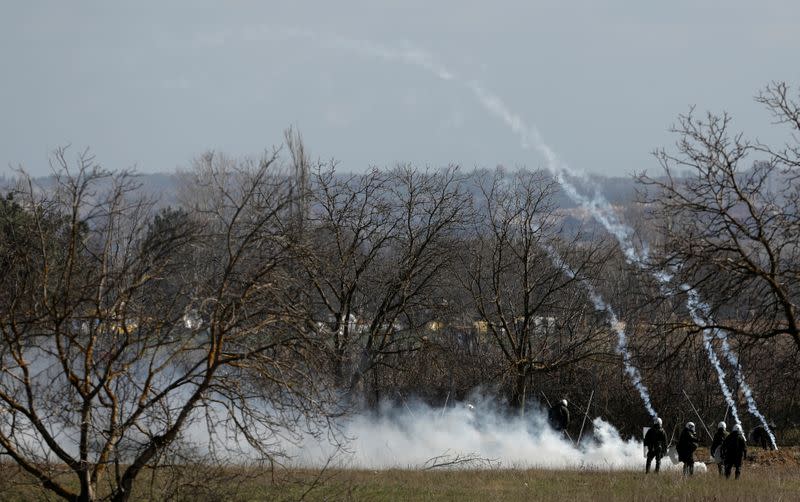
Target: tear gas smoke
{"points": [[692, 303], [700, 312], [530, 137], [602, 211], [619, 328], [419, 436]]}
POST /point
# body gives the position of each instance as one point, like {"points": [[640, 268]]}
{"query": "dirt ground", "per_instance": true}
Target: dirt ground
{"points": [[785, 457], [758, 458]]}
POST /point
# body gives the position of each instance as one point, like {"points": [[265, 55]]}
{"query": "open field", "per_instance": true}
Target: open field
{"points": [[554, 485], [766, 476]]}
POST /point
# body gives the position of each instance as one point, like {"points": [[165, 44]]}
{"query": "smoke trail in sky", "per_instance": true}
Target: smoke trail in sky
{"points": [[746, 390], [618, 327], [693, 303], [601, 210], [408, 55], [700, 312], [530, 137]]}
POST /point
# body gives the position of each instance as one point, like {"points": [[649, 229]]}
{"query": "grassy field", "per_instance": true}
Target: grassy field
{"points": [[549, 485], [772, 476], [769, 478]]}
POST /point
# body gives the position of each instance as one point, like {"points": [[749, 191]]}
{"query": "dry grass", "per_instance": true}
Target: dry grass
{"points": [[511, 485], [767, 476]]}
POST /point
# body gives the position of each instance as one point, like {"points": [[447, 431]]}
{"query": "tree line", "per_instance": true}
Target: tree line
{"points": [[278, 293]]}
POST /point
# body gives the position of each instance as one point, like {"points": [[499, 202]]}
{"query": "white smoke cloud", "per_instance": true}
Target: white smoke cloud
{"points": [[410, 437], [418, 436]]}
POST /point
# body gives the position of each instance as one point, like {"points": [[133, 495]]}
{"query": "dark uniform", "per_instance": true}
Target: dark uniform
{"points": [[687, 444], [656, 443], [734, 450], [559, 417], [760, 436], [719, 437]]}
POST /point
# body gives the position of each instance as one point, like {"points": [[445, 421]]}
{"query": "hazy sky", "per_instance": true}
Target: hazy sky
{"points": [[156, 85]]}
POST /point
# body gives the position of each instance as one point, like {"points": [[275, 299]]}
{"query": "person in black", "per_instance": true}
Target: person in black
{"points": [[734, 450], [559, 416], [760, 436], [687, 444], [716, 443], [656, 443]]}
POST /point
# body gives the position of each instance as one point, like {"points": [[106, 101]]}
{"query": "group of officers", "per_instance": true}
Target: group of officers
{"points": [[727, 449]]}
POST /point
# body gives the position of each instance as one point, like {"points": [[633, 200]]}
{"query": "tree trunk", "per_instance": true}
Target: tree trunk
{"points": [[520, 388], [87, 490]]}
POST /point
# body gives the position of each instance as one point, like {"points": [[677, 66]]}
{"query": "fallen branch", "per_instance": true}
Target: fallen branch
{"points": [[469, 460]]}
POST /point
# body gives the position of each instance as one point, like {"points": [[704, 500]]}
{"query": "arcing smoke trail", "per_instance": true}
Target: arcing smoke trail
{"points": [[531, 137], [528, 136], [693, 303], [700, 312], [619, 328], [601, 210]]}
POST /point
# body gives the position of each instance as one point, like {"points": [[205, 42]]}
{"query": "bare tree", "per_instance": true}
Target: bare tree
{"points": [[121, 332], [727, 209], [301, 172], [379, 244], [534, 312]]}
